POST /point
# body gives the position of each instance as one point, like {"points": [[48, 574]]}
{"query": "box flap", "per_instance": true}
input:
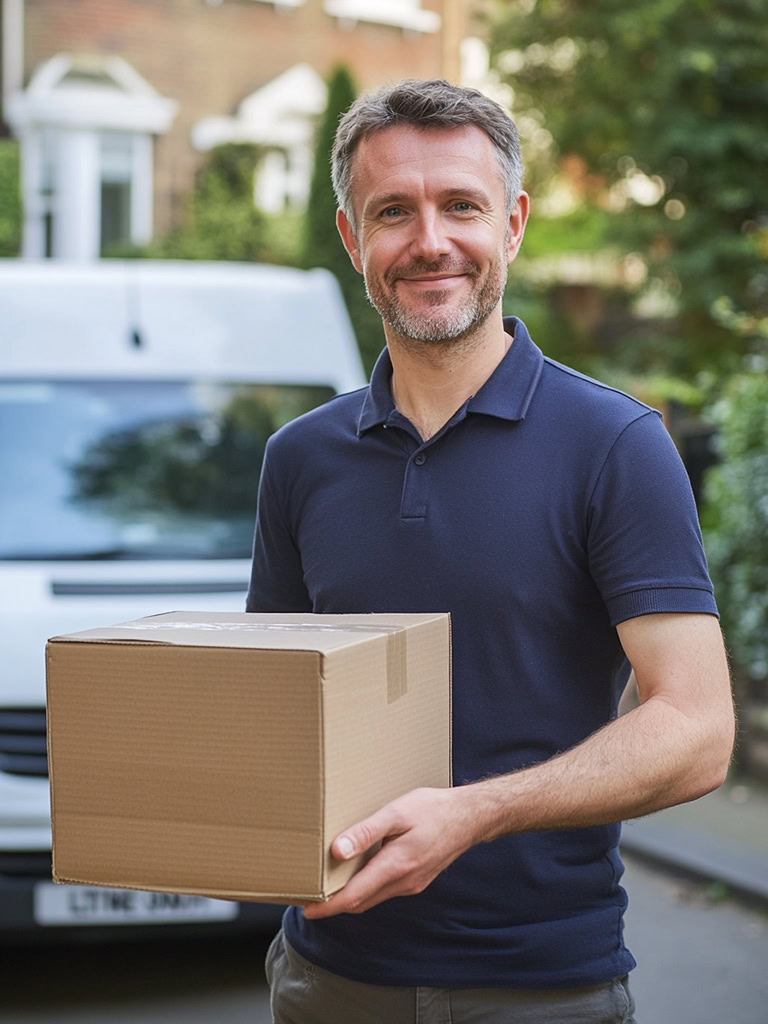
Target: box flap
{"points": [[265, 631]]}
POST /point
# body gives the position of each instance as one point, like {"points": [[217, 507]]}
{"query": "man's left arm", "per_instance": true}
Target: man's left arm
{"points": [[675, 746]]}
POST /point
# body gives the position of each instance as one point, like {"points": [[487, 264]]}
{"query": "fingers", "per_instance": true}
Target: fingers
{"points": [[365, 834], [343, 903], [387, 874], [377, 875], [416, 846]]}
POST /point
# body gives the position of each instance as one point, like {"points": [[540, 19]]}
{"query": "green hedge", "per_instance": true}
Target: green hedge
{"points": [[10, 199], [736, 518]]}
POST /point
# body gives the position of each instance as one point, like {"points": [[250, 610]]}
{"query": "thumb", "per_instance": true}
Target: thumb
{"points": [[361, 837]]}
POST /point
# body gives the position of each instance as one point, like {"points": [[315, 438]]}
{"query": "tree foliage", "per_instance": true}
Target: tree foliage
{"points": [[10, 199], [322, 246], [736, 519], [223, 222], [670, 94]]}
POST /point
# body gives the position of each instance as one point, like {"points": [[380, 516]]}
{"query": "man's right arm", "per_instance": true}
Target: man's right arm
{"points": [[277, 576]]}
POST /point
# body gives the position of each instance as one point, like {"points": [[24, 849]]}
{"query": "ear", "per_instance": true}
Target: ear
{"points": [[517, 221], [349, 240]]}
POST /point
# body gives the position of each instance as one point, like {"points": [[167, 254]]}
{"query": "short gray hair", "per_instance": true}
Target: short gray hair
{"points": [[425, 104]]}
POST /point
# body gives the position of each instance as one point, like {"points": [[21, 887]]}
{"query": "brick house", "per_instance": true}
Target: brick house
{"points": [[115, 101]]}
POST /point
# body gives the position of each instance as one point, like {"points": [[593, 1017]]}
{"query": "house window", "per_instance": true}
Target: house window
{"points": [[86, 127], [280, 117], [405, 14], [117, 171], [270, 192]]}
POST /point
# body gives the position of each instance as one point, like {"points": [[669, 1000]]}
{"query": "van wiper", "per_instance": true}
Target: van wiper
{"points": [[103, 555], [125, 554], [107, 555]]}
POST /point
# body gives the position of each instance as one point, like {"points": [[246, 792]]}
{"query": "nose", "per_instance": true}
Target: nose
{"points": [[430, 240]]}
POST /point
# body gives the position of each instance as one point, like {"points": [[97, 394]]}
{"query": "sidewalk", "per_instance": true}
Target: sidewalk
{"points": [[723, 837]]}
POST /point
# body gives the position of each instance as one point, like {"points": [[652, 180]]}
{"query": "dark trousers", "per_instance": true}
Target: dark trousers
{"points": [[303, 993]]}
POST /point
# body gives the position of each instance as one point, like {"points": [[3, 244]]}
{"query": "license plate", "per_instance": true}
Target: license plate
{"points": [[83, 904]]}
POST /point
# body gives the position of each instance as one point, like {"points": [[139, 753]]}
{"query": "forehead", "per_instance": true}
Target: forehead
{"points": [[403, 159]]}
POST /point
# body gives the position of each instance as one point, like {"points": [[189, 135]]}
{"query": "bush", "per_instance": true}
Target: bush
{"points": [[221, 220], [10, 199], [224, 223], [735, 519]]}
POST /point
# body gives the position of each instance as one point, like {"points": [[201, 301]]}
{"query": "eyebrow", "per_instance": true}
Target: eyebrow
{"points": [[394, 198]]}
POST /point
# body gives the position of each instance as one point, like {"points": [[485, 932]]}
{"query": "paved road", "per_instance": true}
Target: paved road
{"points": [[702, 961]]}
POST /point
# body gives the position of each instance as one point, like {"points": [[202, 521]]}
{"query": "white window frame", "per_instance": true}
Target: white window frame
{"points": [[73, 116], [280, 116], [277, 4], [405, 14]]}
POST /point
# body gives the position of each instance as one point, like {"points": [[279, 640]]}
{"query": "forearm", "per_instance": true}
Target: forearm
{"points": [[653, 757], [674, 747]]}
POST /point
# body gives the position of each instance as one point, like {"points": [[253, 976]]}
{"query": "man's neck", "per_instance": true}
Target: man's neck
{"points": [[431, 381]]}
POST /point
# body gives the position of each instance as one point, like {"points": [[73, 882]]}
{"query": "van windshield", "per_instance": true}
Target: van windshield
{"points": [[100, 469]]}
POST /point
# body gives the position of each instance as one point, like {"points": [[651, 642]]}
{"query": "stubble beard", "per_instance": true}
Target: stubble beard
{"points": [[438, 326]]}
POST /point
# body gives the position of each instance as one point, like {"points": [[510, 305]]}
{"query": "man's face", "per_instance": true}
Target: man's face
{"points": [[433, 238]]}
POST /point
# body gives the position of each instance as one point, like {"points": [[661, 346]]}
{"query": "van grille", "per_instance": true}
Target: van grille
{"points": [[78, 588], [27, 865], [23, 748]]}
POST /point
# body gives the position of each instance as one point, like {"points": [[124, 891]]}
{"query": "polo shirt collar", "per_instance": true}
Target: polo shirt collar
{"points": [[508, 391], [377, 405], [506, 394]]}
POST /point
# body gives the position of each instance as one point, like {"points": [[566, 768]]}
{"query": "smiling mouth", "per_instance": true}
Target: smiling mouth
{"points": [[423, 275], [434, 281]]}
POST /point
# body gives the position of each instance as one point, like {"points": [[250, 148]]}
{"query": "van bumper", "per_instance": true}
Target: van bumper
{"points": [[18, 923]]}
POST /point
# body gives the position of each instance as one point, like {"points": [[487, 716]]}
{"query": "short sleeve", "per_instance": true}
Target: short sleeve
{"points": [[643, 540], [277, 579]]}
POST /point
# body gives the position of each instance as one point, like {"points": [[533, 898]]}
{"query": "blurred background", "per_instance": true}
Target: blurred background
{"points": [[135, 132]]}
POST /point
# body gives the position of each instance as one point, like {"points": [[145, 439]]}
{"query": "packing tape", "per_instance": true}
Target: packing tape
{"points": [[397, 649], [397, 665], [258, 627]]}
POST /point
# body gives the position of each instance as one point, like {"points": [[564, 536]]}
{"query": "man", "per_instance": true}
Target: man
{"points": [[551, 516]]}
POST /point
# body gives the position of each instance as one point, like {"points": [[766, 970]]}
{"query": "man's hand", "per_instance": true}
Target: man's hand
{"points": [[420, 833]]}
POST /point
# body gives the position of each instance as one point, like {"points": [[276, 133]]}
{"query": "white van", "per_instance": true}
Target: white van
{"points": [[135, 402]]}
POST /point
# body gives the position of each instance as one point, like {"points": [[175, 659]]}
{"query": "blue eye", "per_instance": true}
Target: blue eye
{"points": [[391, 212]]}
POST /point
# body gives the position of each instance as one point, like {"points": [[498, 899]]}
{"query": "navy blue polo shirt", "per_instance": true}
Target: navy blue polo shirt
{"points": [[548, 509]]}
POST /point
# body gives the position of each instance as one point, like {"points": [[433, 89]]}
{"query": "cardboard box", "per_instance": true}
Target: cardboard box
{"points": [[220, 753]]}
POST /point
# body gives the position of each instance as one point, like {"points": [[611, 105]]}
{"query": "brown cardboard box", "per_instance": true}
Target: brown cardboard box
{"points": [[220, 753]]}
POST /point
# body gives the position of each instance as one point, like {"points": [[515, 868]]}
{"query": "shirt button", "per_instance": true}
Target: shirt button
{"points": [[420, 459]]}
